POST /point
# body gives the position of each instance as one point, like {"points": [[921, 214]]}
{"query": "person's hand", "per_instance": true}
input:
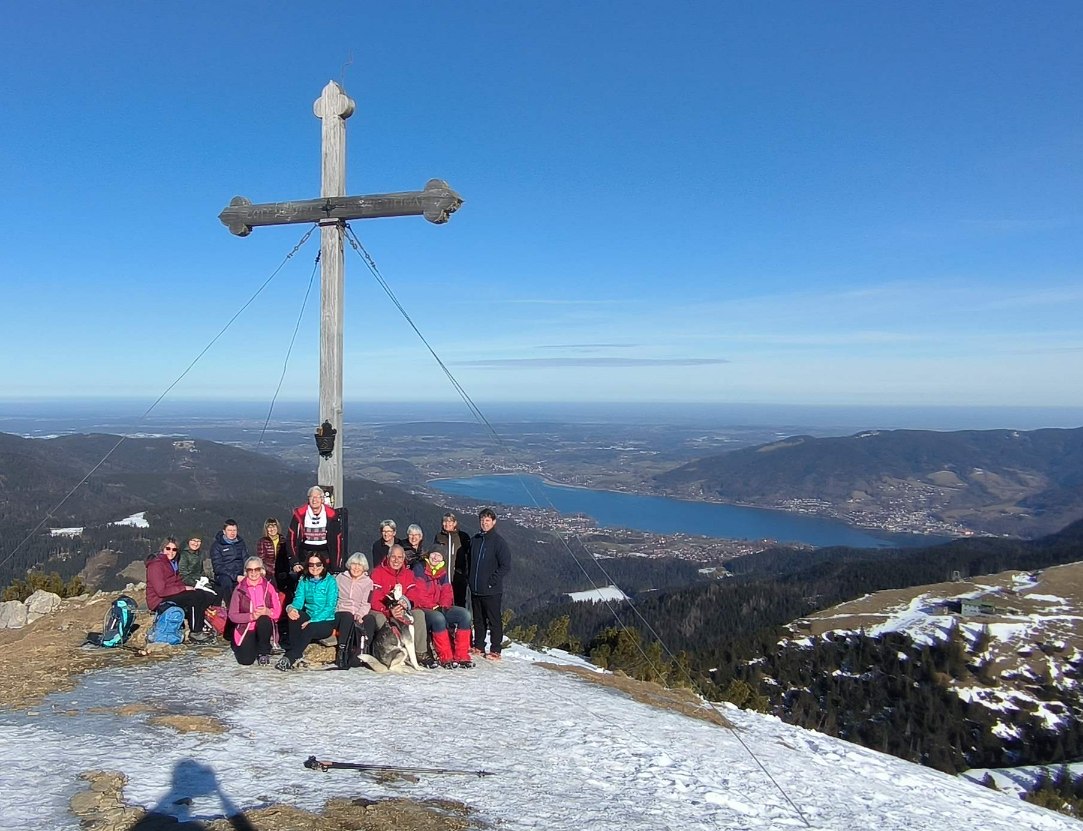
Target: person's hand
{"points": [[292, 613], [297, 569], [260, 611], [305, 624]]}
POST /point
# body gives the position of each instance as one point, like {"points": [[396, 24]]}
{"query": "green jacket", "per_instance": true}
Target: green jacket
{"points": [[190, 564], [317, 598]]}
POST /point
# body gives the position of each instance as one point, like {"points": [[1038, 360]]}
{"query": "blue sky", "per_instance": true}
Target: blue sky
{"points": [[830, 203]]}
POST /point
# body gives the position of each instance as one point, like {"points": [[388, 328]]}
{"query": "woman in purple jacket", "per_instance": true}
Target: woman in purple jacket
{"points": [[164, 583]]}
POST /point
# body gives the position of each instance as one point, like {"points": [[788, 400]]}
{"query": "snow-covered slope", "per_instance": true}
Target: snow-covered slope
{"points": [[567, 754]]}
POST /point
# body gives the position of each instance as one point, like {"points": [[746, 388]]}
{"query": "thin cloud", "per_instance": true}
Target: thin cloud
{"points": [[588, 345], [610, 363]]}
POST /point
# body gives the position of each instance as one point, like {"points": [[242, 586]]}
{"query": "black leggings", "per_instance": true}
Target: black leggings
{"points": [[302, 637], [194, 602], [255, 642], [349, 628]]}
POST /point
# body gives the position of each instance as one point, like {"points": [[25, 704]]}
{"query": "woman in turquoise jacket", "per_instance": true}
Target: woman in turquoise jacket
{"points": [[311, 613]]}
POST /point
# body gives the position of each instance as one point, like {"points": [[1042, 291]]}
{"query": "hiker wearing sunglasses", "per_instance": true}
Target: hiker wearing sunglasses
{"points": [[254, 608], [164, 584], [311, 613]]}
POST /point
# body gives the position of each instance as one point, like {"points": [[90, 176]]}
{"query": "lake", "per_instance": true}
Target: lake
{"points": [[663, 515]]}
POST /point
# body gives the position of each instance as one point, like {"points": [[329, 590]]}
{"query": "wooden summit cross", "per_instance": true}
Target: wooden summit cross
{"points": [[436, 203]]}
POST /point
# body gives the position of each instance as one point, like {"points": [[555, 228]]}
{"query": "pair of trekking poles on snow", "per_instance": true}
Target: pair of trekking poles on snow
{"points": [[312, 763]]}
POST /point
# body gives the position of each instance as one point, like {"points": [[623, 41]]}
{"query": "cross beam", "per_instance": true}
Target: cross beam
{"points": [[436, 203]]}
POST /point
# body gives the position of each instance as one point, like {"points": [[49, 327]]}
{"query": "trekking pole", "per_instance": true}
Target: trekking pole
{"points": [[312, 763]]}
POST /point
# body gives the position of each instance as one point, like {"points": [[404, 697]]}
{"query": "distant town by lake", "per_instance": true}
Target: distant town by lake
{"points": [[664, 515]]}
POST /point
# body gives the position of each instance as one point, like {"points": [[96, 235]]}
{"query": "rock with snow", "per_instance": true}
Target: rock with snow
{"points": [[12, 614], [41, 603]]}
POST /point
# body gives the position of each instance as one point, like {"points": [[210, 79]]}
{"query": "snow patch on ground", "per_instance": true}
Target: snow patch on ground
{"points": [[65, 532], [135, 520], [567, 755], [598, 595]]}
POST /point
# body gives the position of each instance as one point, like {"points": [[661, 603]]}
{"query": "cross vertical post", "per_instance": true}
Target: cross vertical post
{"points": [[436, 202], [333, 107]]}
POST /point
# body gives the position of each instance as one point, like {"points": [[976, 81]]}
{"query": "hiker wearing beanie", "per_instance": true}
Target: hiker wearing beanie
{"points": [[434, 596], [191, 560]]}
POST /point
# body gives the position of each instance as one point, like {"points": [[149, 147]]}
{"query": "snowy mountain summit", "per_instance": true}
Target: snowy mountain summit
{"points": [[565, 753]]}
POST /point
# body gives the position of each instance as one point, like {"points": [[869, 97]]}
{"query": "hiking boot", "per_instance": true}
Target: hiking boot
{"points": [[475, 651], [465, 664], [428, 662], [449, 664], [263, 660], [201, 637], [284, 663], [493, 656]]}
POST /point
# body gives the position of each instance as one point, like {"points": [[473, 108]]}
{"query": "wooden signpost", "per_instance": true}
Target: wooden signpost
{"points": [[436, 203]]}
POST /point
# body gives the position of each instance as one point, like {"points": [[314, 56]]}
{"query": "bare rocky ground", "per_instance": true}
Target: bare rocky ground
{"points": [[45, 657]]}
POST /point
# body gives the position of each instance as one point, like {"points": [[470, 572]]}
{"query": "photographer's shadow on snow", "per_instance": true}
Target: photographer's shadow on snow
{"points": [[191, 780]]}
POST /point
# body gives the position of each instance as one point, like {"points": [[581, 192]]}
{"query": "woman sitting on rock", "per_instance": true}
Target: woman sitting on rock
{"points": [[164, 584], [434, 596], [353, 617], [311, 613], [254, 608]]}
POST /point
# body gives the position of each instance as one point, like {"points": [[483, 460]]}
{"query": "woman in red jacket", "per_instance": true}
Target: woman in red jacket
{"points": [[164, 584], [268, 548], [434, 596]]}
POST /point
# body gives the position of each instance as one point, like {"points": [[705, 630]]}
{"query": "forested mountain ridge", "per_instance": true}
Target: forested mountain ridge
{"points": [[887, 692], [1022, 483], [190, 486]]}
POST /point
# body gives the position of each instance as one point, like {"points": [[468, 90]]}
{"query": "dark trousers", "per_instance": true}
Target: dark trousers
{"points": [[458, 588], [194, 602], [301, 636], [350, 631], [255, 642], [487, 616]]}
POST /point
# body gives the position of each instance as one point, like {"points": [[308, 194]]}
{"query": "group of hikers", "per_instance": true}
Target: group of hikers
{"points": [[300, 587]]}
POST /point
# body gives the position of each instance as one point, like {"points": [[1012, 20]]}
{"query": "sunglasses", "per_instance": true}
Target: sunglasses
{"points": [[315, 565], [171, 548], [250, 570]]}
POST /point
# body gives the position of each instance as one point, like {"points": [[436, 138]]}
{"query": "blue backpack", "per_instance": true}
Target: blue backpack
{"points": [[168, 625], [118, 625]]}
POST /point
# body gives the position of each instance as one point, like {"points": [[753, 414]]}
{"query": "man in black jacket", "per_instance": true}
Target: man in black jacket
{"points": [[490, 562]]}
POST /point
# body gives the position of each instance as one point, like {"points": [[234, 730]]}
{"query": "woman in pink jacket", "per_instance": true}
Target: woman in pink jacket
{"points": [[254, 608], [353, 618]]}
